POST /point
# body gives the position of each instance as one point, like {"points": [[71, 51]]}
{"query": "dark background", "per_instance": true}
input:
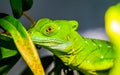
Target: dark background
{"points": [[89, 13]]}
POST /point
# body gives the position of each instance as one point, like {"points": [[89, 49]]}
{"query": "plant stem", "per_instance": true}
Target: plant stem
{"points": [[28, 17]]}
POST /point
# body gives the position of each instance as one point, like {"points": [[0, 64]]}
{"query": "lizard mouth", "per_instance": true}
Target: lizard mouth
{"points": [[51, 44], [47, 42]]}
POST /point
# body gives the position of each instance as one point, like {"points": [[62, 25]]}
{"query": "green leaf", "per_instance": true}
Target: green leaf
{"points": [[7, 63], [19, 6], [24, 43], [16, 6], [27, 4], [7, 46], [8, 54]]}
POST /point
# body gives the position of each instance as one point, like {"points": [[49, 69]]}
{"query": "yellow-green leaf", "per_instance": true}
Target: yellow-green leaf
{"points": [[24, 43]]}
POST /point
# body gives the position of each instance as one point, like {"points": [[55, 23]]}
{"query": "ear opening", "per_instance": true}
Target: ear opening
{"points": [[74, 24]]}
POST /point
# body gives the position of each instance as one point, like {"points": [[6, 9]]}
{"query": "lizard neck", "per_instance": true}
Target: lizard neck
{"points": [[77, 44], [73, 42]]}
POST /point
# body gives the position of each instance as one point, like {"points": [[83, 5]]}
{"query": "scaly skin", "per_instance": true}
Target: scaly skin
{"points": [[83, 54]]}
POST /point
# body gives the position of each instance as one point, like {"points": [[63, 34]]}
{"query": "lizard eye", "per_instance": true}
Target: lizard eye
{"points": [[49, 29]]}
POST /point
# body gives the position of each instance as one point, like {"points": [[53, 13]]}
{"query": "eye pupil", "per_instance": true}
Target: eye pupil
{"points": [[49, 29]]}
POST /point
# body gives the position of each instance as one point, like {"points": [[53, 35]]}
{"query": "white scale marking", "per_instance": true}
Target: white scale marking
{"points": [[100, 45], [86, 42], [109, 46], [102, 57]]}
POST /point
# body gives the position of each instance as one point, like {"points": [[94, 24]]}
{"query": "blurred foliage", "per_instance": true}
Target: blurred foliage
{"points": [[20, 6]]}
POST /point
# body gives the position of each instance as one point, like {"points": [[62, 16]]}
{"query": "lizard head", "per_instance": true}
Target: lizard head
{"points": [[53, 34]]}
